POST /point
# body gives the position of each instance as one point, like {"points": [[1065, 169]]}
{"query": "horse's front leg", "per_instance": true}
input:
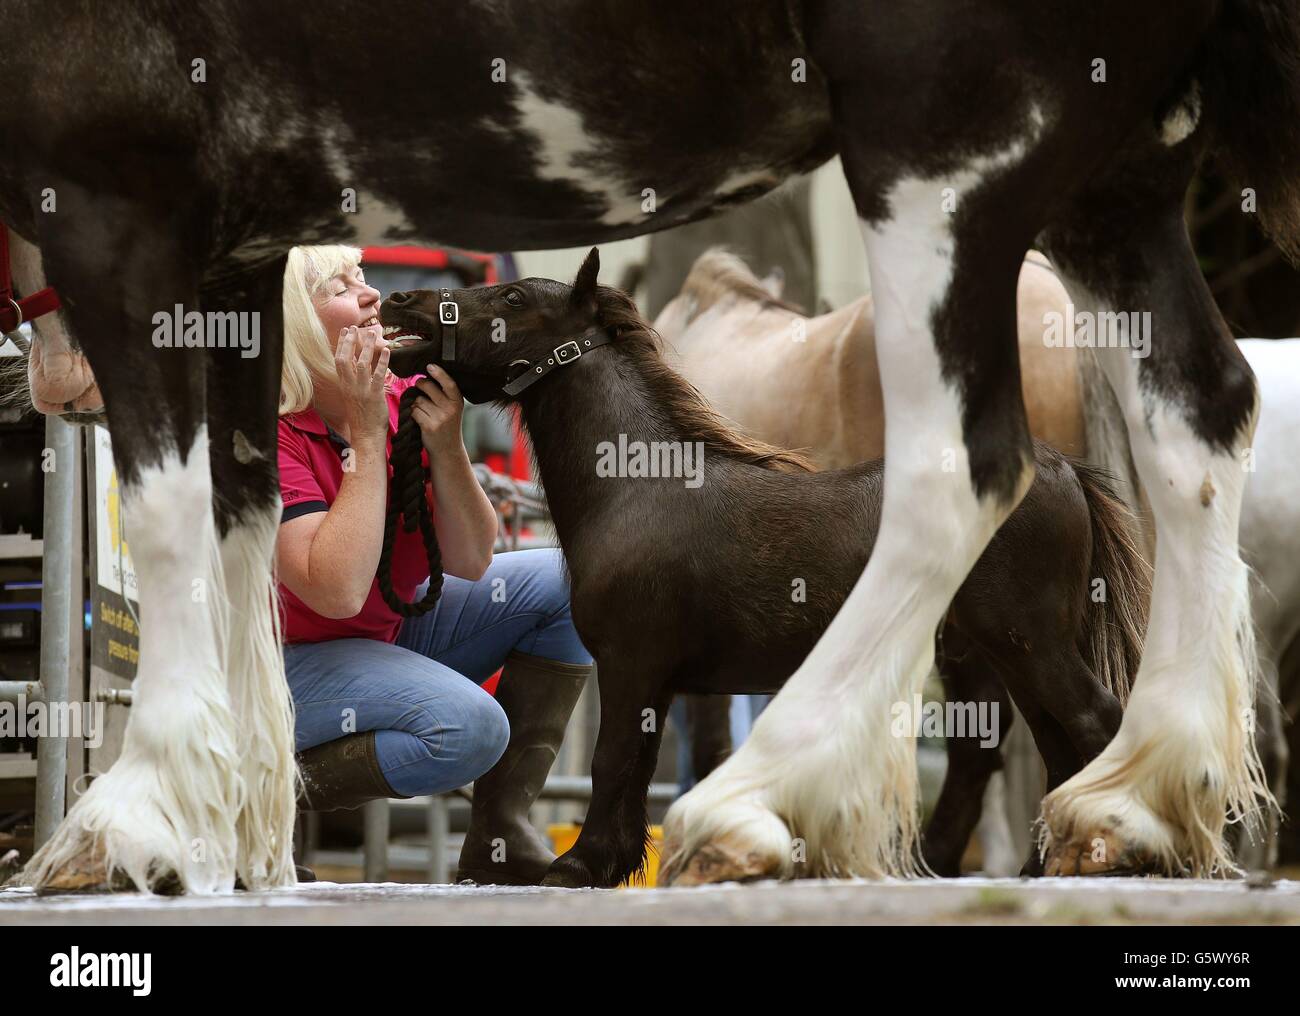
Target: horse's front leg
{"points": [[166, 809], [826, 783], [633, 708], [243, 384]]}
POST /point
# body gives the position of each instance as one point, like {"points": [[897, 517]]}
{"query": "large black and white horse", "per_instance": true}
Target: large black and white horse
{"points": [[163, 155]]}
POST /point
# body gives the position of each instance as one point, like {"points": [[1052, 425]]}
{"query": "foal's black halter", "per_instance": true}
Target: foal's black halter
{"points": [[406, 500], [561, 355], [449, 318]]}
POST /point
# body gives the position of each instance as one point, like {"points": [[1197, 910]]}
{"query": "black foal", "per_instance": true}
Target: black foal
{"points": [[702, 561]]}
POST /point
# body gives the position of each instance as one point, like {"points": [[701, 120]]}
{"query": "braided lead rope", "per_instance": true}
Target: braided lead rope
{"points": [[406, 499]]}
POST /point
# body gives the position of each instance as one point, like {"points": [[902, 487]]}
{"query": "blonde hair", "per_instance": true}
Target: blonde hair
{"points": [[308, 355]]}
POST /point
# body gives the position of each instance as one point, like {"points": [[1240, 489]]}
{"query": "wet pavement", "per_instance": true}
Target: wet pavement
{"points": [[952, 901]]}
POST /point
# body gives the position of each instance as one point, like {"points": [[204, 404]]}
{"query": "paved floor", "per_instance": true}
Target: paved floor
{"points": [[958, 901]]}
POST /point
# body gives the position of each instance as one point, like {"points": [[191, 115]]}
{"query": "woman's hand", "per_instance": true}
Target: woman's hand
{"points": [[361, 374], [439, 413]]}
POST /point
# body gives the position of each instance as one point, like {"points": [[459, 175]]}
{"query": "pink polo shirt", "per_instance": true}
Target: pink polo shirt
{"points": [[311, 472]]}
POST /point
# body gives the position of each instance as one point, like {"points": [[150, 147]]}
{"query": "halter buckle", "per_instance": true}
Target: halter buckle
{"points": [[562, 353], [449, 312]]}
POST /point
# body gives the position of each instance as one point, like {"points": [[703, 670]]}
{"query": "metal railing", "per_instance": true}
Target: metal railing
{"points": [[517, 504], [58, 603]]}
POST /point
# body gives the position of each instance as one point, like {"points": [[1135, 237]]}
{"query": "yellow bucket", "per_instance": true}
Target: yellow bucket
{"points": [[564, 836]]}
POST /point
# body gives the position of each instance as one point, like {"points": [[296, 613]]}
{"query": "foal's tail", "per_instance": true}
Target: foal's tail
{"points": [[1115, 621], [1250, 78]]}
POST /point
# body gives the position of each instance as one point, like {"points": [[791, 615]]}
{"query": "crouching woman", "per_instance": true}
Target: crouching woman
{"points": [[386, 706]]}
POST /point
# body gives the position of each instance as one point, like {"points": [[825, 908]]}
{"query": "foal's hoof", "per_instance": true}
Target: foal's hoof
{"points": [[1105, 853], [1033, 866], [569, 872], [720, 861]]}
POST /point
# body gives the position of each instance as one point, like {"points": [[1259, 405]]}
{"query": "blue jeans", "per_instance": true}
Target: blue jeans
{"points": [[436, 729]]}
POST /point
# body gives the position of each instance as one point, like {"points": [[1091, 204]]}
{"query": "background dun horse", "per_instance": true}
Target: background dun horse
{"points": [[962, 142], [812, 382], [652, 560]]}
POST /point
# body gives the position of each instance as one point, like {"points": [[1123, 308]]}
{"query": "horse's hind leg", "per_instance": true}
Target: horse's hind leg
{"points": [[708, 726], [243, 391], [971, 764], [1184, 758], [167, 806], [1070, 713]]}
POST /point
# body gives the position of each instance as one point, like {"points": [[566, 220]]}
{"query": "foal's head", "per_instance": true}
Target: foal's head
{"points": [[501, 331], [508, 331]]}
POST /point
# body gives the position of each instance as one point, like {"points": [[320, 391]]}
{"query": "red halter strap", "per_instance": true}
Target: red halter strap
{"points": [[15, 312]]}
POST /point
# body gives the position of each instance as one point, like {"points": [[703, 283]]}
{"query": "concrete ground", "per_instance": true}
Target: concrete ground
{"points": [[957, 901]]}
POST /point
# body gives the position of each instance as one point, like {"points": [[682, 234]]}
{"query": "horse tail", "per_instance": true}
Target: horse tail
{"points": [[1115, 626], [1108, 444], [1250, 73]]}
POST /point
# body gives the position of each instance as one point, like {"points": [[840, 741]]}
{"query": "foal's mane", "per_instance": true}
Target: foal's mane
{"points": [[717, 274], [637, 340]]}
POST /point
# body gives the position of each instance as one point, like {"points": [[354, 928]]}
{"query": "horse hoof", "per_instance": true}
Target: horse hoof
{"points": [[478, 876], [720, 861], [1032, 868], [1105, 853], [942, 863], [87, 872], [569, 873]]}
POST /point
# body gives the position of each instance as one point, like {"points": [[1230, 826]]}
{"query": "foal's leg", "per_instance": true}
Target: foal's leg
{"points": [[1066, 689], [633, 708], [1070, 713], [821, 764], [970, 765], [708, 725], [168, 805], [243, 392], [1184, 758], [1031, 681]]}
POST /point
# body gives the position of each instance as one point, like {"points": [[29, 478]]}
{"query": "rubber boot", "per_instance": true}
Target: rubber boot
{"points": [[502, 847], [342, 774]]}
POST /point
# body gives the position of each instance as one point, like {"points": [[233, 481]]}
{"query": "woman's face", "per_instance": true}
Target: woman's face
{"points": [[346, 300]]}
